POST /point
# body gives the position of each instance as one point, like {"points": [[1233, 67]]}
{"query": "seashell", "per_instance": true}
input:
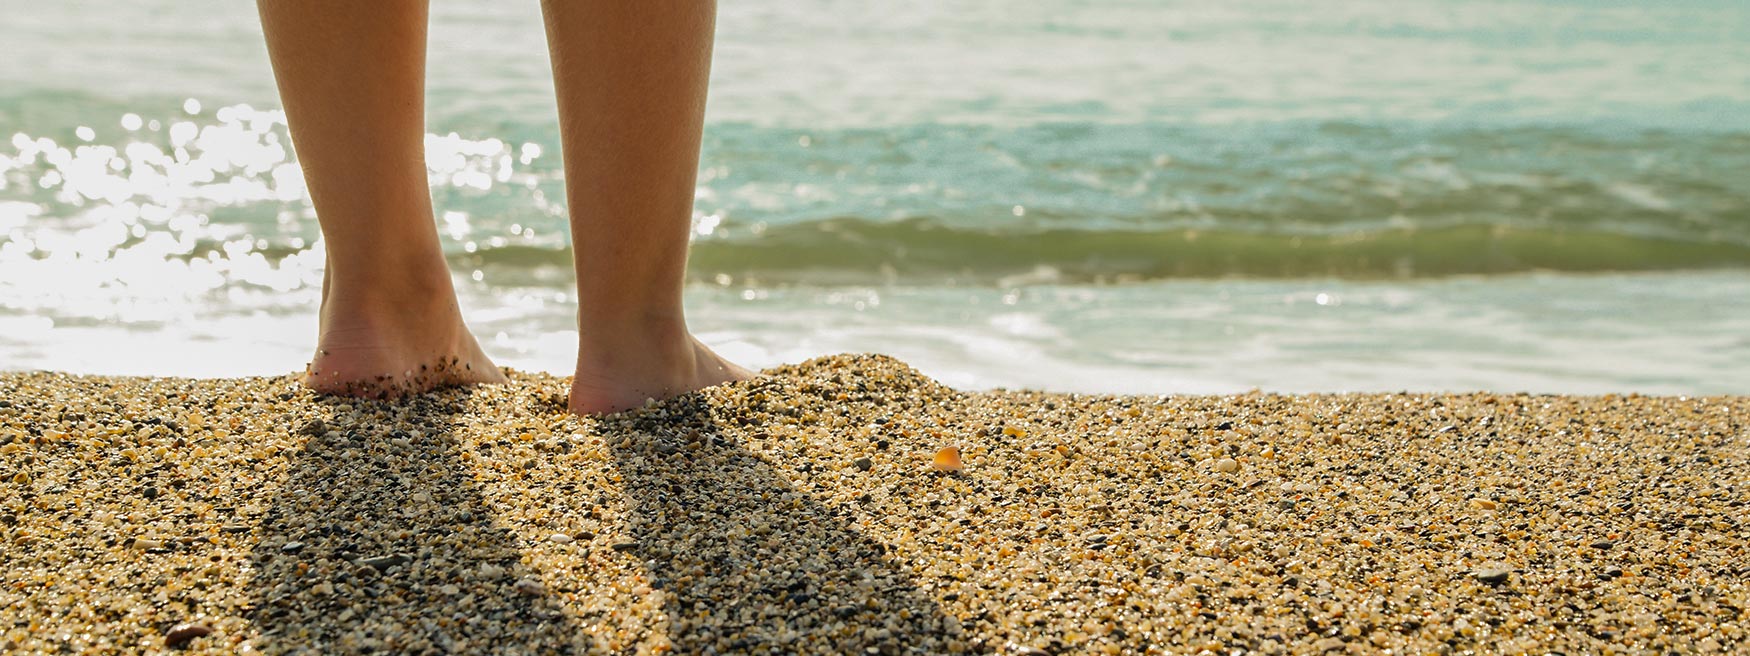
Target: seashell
{"points": [[180, 634], [948, 460]]}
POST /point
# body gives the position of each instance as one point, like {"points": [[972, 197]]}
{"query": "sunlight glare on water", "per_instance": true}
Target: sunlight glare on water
{"points": [[125, 231]]}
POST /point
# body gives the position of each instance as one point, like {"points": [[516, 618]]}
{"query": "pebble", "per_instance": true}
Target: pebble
{"points": [[1493, 575], [560, 538], [148, 543], [863, 463], [292, 547], [314, 428], [385, 561], [180, 634], [529, 586], [1227, 465]]}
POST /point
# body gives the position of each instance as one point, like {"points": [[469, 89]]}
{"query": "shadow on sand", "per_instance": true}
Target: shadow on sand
{"points": [[379, 542], [746, 561]]}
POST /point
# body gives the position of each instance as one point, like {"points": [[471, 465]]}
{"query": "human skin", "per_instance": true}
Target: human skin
{"points": [[631, 79]]}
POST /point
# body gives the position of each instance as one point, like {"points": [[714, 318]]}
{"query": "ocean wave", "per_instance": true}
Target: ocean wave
{"points": [[948, 204], [853, 251]]}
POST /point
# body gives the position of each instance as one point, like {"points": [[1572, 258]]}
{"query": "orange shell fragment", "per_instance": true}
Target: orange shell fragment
{"points": [[948, 459]]}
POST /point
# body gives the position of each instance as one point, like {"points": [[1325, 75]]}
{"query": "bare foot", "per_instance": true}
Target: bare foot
{"points": [[395, 345], [623, 369]]}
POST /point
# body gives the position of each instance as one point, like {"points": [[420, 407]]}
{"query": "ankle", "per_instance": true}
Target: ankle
{"points": [[418, 296], [639, 328], [631, 343]]}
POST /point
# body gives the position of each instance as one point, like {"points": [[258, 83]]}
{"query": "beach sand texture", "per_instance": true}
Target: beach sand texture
{"points": [[801, 512]]}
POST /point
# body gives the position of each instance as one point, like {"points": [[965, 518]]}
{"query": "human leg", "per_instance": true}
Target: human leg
{"points": [[631, 80], [352, 79]]}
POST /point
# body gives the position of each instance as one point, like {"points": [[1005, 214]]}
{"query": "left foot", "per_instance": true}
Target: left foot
{"points": [[624, 369]]}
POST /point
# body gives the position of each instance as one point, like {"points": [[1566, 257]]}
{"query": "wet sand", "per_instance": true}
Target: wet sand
{"points": [[802, 512]]}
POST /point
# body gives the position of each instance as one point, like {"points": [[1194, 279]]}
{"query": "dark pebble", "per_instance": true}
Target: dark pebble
{"points": [[180, 634], [149, 492], [234, 528], [1602, 545], [624, 546], [1612, 573], [863, 463], [292, 547]]}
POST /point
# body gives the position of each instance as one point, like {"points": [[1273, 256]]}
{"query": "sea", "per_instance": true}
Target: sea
{"points": [[1101, 196]]}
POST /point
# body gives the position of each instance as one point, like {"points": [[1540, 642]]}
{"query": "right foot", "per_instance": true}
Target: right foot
{"points": [[406, 344]]}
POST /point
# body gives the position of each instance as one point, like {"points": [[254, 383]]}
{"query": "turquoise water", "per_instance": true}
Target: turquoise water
{"points": [[1115, 196]]}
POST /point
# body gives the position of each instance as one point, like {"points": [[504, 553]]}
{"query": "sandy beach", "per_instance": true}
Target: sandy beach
{"points": [[803, 513]]}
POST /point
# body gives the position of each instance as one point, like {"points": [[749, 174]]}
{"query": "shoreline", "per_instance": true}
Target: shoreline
{"points": [[800, 512]]}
